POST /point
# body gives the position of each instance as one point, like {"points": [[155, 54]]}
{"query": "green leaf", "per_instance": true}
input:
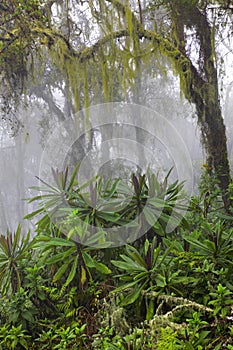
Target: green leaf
{"points": [[95, 238], [136, 255], [87, 183], [114, 187], [72, 272], [141, 266], [88, 259], [60, 256], [83, 277], [146, 247], [16, 239], [202, 248], [155, 255], [125, 286], [157, 203], [109, 216], [122, 265], [150, 216], [60, 272], [28, 316], [101, 245], [150, 310], [131, 297], [160, 281], [56, 242], [72, 179], [54, 189], [101, 267], [34, 213]]}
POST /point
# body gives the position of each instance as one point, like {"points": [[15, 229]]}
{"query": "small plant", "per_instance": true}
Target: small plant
{"points": [[73, 335], [214, 242], [21, 310], [106, 339], [195, 322], [13, 249], [148, 269], [222, 301], [168, 339], [63, 338], [70, 262], [12, 338]]}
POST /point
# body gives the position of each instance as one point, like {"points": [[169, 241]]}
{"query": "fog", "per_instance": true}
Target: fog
{"points": [[23, 141], [21, 156]]}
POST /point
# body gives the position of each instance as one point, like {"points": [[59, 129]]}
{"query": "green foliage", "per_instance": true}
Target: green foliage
{"points": [[167, 290], [19, 309], [71, 337], [14, 248], [142, 271], [34, 283], [13, 338], [86, 216], [151, 269], [168, 339], [70, 261], [50, 283], [195, 336], [107, 339], [221, 300], [214, 242]]}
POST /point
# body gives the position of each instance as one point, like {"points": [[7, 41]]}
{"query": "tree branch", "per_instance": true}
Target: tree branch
{"points": [[89, 52]]}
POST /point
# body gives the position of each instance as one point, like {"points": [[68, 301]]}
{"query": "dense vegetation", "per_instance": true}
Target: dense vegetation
{"points": [[165, 290], [118, 264]]}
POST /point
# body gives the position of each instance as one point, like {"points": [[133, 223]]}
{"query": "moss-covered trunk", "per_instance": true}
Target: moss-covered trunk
{"points": [[203, 87], [214, 136]]}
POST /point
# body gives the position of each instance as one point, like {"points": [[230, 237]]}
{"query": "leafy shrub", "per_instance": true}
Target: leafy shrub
{"points": [[13, 338]]}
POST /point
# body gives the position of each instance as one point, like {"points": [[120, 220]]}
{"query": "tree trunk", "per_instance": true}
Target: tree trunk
{"points": [[203, 90], [215, 142]]}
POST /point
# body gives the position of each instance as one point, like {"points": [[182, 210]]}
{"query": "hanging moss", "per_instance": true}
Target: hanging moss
{"points": [[103, 65], [129, 22], [86, 100]]}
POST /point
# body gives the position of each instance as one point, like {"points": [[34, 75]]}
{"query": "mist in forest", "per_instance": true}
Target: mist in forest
{"points": [[24, 136], [21, 154]]}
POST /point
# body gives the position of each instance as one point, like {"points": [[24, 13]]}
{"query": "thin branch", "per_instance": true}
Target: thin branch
{"points": [[140, 11], [89, 52], [40, 92]]}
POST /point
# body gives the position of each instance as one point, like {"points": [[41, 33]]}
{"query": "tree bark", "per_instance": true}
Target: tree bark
{"points": [[203, 91]]}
